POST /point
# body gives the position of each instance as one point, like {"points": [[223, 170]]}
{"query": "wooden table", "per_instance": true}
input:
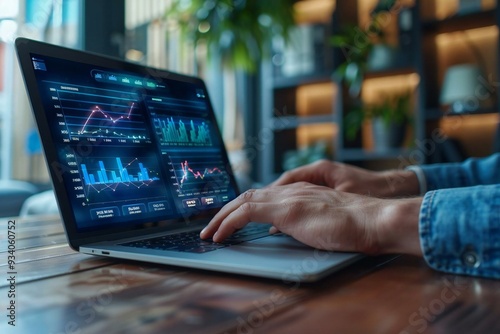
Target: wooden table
{"points": [[60, 291]]}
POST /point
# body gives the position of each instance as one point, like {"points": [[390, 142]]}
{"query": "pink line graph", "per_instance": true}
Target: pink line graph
{"points": [[197, 174], [97, 109]]}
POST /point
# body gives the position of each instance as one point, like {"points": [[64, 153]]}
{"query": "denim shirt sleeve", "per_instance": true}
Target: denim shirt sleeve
{"points": [[472, 172], [460, 230]]}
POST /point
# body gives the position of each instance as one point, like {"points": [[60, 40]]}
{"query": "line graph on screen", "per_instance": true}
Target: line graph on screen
{"points": [[94, 113], [103, 113], [188, 173], [199, 174]]}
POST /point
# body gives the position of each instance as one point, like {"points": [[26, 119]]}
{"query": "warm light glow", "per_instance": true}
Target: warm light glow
{"points": [[475, 132], [308, 135], [134, 55], [314, 11], [443, 9], [443, 40], [376, 89], [316, 99], [476, 46]]}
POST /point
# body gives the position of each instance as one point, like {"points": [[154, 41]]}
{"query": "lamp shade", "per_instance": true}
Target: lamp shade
{"points": [[460, 83]]}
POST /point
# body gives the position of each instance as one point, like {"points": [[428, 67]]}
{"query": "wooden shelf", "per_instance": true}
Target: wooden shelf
{"points": [[461, 22], [289, 82], [436, 113], [292, 122], [390, 72]]}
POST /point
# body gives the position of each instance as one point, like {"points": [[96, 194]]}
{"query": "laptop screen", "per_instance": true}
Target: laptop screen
{"points": [[131, 148]]}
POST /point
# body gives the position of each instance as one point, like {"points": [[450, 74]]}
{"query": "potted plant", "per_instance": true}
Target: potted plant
{"points": [[390, 121]]}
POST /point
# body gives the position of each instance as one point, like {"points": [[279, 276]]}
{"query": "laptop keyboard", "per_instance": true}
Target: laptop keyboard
{"points": [[190, 241]]}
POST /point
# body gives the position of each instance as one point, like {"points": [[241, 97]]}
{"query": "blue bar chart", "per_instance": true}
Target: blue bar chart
{"points": [[107, 178], [118, 174]]}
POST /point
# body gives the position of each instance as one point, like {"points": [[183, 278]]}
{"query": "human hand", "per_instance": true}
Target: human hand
{"points": [[352, 179], [323, 218]]}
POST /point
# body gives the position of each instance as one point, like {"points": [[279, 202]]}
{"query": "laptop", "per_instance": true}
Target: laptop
{"points": [[139, 167]]}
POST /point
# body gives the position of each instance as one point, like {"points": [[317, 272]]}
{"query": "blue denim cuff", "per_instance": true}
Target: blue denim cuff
{"points": [[422, 180], [460, 230]]}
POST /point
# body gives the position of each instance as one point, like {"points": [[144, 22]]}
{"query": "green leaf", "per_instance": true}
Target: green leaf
{"points": [[240, 18]]}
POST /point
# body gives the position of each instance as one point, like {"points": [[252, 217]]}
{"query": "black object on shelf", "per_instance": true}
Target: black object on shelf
{"points": [[459, 22]]}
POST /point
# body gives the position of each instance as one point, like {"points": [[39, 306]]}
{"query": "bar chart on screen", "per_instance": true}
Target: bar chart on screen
{"points": [[119, 175], [123, 177], [181, 131]]}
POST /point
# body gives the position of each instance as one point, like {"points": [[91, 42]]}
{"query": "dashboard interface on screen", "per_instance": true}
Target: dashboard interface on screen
{"points": [[131, 148]]}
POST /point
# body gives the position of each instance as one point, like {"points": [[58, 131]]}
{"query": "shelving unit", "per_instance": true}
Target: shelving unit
{"points": [[450, 37], [301, 109]]}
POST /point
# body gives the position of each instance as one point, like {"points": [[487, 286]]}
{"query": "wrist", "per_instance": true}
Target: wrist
{"points": [[399, 227], [399, 183]]}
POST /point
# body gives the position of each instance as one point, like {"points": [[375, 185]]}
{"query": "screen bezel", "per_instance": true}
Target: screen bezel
{"points": [[25, 47]]}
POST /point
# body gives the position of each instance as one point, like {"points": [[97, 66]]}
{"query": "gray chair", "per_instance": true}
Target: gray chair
{"points": [[43, 203], [13, 193]]}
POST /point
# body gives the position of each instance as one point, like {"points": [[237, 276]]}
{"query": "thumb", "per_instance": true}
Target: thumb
{"points": [[273, 230]]}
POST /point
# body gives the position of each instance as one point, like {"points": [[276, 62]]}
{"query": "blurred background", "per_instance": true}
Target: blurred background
{"points": [[375, 83]]}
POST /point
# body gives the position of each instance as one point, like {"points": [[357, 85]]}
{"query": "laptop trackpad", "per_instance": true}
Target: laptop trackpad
{"points": [[288, 256], [284, 247], [279, 242]]}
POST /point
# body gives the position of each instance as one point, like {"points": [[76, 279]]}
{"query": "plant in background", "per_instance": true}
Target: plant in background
{"points": [[356, 47], [392, 110], [305, 155], [357, 44], [353, 121], [239, 31], [390, 122]]}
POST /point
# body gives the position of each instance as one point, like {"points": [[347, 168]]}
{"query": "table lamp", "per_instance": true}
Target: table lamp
{"points": [[459, 87]]}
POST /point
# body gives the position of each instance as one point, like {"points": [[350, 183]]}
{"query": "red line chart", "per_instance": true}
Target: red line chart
{"points": [[186, 171], [96, 110]]}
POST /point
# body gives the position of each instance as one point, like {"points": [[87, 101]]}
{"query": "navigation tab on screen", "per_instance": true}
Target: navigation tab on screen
{"points": [[123, 79]]}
